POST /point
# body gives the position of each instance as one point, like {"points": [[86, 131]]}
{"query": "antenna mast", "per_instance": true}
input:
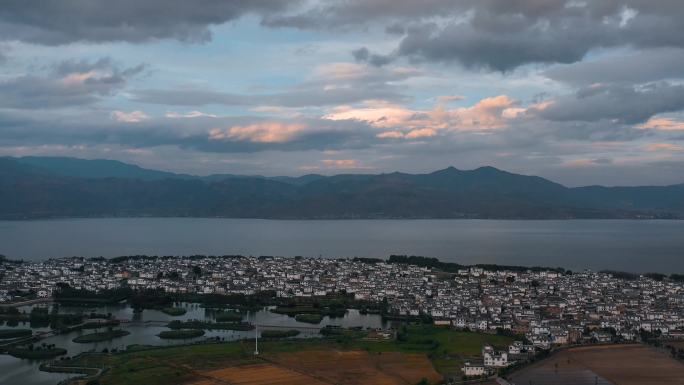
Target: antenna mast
{"points": [[256, 338]]}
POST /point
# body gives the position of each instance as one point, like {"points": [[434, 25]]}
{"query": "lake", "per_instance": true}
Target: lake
{"points": [[628, 245]]}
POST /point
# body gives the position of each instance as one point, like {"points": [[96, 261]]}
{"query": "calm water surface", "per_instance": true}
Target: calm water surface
{"points": [[629, 245]]}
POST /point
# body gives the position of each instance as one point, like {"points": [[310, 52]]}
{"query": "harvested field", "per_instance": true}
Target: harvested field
{"points": [[614, 364], [328, 367], [676, 344], [360, 367], [262, 374]]}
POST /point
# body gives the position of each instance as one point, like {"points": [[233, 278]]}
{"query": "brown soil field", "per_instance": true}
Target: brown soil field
{"points": [[676, 344], [327, 367], [359, 367], [611, 364], [261, 374]]}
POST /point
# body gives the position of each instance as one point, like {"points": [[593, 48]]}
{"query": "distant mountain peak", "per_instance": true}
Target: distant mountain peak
{"points": [[45, 187], [448, 170]]}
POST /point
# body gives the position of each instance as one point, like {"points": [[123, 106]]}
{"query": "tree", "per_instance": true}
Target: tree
{"points": [[196, 271]]}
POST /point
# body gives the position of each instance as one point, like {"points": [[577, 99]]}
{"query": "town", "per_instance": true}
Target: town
{"points": [[548, 307]]}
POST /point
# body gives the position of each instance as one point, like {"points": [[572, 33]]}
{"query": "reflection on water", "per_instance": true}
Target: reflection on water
{"points": [[145, 326]]}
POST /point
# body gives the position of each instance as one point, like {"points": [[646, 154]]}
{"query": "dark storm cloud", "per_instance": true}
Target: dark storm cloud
{"points": [[363, 55], [641, 67], [502, 35], [54, 22], [621, 103], [493, 34], [353, 13], [69, 83]]}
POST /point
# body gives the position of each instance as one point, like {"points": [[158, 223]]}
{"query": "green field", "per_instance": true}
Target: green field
{"points": [[101, 336], [174, 365]]}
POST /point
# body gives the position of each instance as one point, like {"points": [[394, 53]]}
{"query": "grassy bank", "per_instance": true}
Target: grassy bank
{"points": [[14, 333], [174, 311], [203, 325], [180, 334], [274, 334], [37, 353]]}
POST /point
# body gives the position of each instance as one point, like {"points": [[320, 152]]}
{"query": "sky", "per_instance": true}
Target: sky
{"points": [[580, 92]]}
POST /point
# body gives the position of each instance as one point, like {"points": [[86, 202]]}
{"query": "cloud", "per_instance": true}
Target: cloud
{"points": [[69, 83], [344, 164], [664, 124], [243, 134], [189, 115], [54, 22], [449, 98], [587, 162], [487, 114], [420, 133], [636, 67], [663, 147], [391, 135], [264, 132], [130, 117], [363, 55], [621, 103], [331, 84], [498, 35], [413, 134]]}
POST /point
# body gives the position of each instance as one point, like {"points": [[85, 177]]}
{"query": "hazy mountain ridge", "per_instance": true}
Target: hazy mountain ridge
{"points": [[61, 187]]}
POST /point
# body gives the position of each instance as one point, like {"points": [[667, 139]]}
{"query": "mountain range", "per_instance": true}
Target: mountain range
{"points": [[48, 187]]}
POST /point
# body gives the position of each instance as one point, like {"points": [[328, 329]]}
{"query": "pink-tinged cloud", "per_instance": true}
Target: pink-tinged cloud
{"points": [[378, 113], [266, 132], [78, 78], [129, 117], [390, 135], [488, 114], [664, 147], [421, 133], [449, 98], [664, 124], [580, 163], [343, 164]]}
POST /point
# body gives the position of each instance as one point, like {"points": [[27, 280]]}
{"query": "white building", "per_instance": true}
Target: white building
{"points": [[494, 359], [473, 369]]}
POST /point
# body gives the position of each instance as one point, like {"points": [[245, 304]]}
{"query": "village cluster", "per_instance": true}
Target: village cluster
{"points": [[548, 307]]}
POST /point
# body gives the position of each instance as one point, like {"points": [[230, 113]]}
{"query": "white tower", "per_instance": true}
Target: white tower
{"points": [[256, 339]]}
